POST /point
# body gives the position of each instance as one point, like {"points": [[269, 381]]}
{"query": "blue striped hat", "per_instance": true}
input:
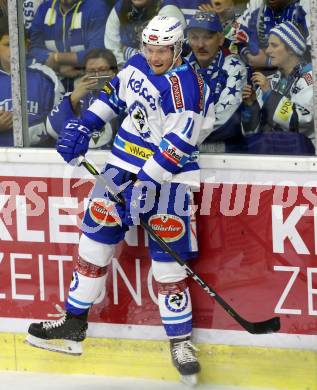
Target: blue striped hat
{"points": [[291, 36]]}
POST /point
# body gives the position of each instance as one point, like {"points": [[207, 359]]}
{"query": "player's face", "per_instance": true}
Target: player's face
{"points": [[204, 44], [160, 58], [5, 52], [278, 52]]}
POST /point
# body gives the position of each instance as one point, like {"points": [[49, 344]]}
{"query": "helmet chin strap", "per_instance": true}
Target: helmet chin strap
{"points": [[175, 58]]}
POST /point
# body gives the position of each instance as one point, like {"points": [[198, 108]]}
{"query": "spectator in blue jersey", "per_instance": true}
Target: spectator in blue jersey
{"points": [[126, 22], [29, 10], [43, 91], [63, 31], [253, 27], [226, 76], [153, 164], [278, 115], [99, 63]]}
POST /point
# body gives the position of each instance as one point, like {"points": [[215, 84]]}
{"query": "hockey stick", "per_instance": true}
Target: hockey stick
{"points": [[268, 326]]}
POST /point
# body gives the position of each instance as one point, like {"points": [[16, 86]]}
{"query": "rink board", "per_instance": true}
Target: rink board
{"points": [[257, 234], [275, 368]]}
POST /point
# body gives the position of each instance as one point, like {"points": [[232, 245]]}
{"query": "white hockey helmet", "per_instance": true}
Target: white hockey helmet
{"points": [[164, 31]]}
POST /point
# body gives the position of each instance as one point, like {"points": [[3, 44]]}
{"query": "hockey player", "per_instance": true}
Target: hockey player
{"points": [[154, 152], [226, 76], [279, 108]]}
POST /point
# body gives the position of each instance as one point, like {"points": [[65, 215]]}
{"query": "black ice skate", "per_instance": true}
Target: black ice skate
{"points": [[62, 335], [184, 359]]}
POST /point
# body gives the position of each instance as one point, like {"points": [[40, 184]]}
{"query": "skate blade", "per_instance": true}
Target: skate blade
{"points": [[64, 346], [189, 380]]}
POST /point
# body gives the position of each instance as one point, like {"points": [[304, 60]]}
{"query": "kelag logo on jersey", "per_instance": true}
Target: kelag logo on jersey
{"points": [[138, 115], [169, 227], [137, 87]]}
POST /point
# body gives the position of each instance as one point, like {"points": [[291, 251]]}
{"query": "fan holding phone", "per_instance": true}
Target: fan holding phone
{"points": [[100, 67]]}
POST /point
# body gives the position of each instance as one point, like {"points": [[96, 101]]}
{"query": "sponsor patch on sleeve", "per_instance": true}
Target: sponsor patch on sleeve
{"points": [[173, 154], [108, 88], [308, 78], [177, 92]]}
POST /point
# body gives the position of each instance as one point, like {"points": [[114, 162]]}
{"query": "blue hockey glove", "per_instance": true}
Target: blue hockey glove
{"points": [[139, 198], [73, 141]]}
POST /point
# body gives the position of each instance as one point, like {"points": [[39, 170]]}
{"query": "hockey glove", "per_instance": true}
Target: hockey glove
{"points": [[73, 140], [139, 198]]}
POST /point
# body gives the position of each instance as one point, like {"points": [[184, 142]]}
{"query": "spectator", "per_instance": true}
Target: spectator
{"points": [[253, 28], [279, 108], [226, 76], [98, 62], [228, 14], [63, 31], [43, 91], [188, 7], [126, 22], [29, 10], [226, 11], [3, 8]]}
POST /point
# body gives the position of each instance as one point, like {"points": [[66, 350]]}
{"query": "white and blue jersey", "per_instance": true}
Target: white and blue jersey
{"points": [[165, 124], [44, 90], [78, 30]]}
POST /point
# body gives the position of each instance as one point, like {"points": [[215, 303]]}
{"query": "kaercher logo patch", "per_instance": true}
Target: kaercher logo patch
{"points": [[103, 212], [169, 227]]}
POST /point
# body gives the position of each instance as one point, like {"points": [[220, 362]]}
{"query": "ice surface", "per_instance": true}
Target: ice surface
{"points": [[32, 381]]}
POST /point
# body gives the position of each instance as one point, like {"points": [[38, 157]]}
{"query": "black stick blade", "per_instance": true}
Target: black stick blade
{"points": [[270, 326]]}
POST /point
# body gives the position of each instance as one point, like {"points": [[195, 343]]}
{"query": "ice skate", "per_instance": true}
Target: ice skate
{"points": [[62, 335], [184, 359]]}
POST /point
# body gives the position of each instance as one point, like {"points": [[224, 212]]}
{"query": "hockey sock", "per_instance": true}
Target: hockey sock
{"points": [[175, 309], [87, 283]]}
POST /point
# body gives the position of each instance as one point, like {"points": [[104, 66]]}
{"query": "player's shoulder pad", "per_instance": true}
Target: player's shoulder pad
{"points": [[185, 88], [138, 60]]}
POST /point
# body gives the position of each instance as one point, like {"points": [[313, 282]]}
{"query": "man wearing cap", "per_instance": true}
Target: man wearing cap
{"points": [[226, 76], [279, 108]]}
